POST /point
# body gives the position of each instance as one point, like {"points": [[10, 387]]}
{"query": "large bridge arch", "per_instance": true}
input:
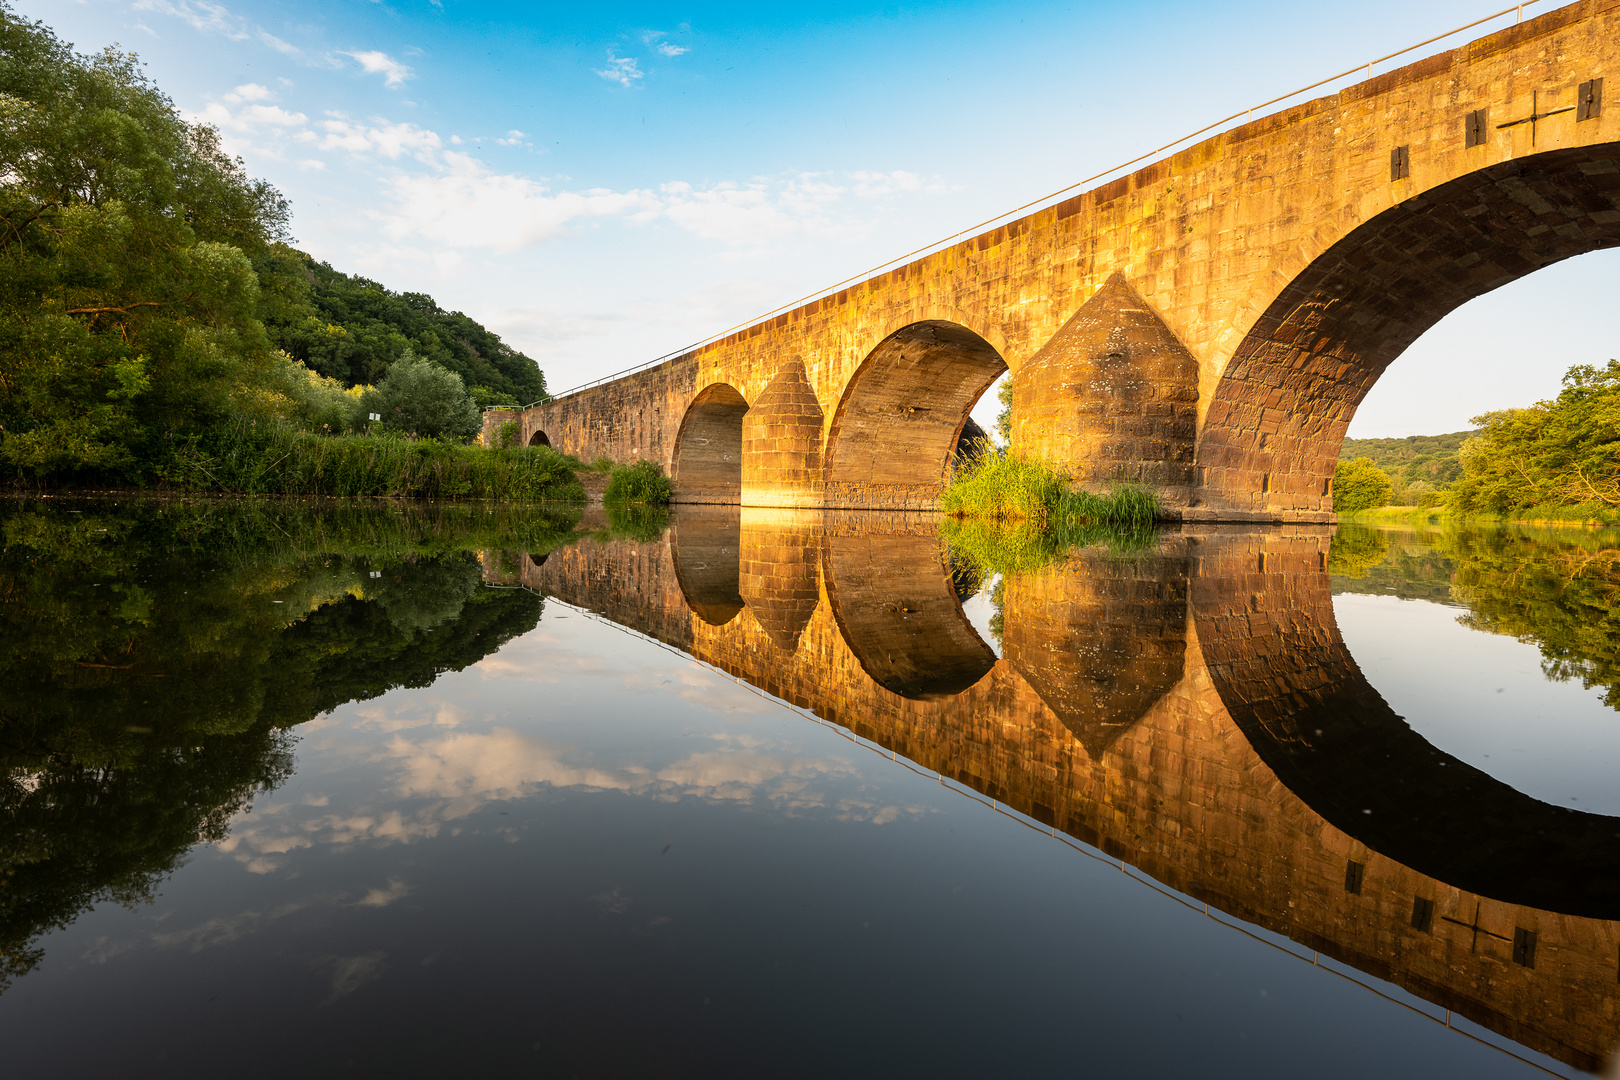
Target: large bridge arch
{"points": [[1279, 411], [707, 462], [901, 414]]}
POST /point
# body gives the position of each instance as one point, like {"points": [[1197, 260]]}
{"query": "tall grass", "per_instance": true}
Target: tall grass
{"points": [[639, 482], [1011, 488], [280, 459]]}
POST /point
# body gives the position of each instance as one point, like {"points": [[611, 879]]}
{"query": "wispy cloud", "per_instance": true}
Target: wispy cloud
{"points": [[624, 70], [672, 50], [466, 205], [374, 62], [206, 17]]}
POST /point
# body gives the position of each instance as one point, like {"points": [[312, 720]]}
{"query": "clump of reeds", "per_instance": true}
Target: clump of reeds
{"points": [[1005, 486], [639, 482], [280, 459]]}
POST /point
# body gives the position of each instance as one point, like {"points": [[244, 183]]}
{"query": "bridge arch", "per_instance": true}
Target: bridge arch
{"points": [[902, 413], [1279, 410], [539, 438], [707, 463]]}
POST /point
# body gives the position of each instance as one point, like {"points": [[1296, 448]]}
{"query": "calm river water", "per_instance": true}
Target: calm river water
{"points": [[325, 789]]}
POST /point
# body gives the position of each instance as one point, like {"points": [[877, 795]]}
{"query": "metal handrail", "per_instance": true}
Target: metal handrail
{"points": [[974, 229]]}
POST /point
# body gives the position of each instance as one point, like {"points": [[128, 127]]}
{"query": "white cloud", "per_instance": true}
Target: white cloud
{"points": [[466, 205], [389, 140], [277, 44], [250, 92], [373, 62], [672, 50], [877, 185], [312, 165], [623, 70]]}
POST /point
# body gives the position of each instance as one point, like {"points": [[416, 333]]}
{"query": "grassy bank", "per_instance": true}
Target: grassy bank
{"points": [[276, 459], [1593, 513], [1012, 488]]}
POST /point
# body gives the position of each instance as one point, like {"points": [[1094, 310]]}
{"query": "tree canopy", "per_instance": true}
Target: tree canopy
{"points": [[148, 291], [1359, 485], [1563, 452], [127, 299]]}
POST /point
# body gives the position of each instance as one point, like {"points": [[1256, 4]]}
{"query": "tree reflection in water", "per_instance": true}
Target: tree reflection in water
{"points": [[155, 658]]}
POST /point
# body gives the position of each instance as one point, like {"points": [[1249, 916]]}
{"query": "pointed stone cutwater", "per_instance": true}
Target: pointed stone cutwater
{"points": [[778, 576], [782, 442], [1101, 639], [1112, 397]]}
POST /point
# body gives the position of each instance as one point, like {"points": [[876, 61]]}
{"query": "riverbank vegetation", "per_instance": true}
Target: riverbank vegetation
{"points": [[1007, 487], [640, 482], [152, 311], [1555, 461]]}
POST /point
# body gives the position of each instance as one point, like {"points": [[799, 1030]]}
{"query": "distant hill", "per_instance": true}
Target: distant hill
{"points": [[352, 329], [1432, 458]]}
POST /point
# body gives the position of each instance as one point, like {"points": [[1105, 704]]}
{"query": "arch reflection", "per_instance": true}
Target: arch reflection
{"points": [[1164, 708]]}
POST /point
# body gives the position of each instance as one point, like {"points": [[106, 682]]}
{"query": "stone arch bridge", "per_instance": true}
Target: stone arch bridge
{"points": [[1206, 325]]}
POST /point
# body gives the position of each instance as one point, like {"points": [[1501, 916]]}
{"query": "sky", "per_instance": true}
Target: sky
{"points": [[605, 184]]}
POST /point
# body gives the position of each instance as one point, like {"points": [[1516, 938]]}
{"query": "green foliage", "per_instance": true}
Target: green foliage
{"points": [[279, 458], [127, 304], [1416, 459], [354, 330], [998, 487], [1004, 416], [421, 399], [1359, 485], [638, 482], [1004, 487], [506, 435], [1563, 453]]}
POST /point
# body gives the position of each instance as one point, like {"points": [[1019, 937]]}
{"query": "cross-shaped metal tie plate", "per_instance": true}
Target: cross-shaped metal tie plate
{"points": [[1535, 114]]}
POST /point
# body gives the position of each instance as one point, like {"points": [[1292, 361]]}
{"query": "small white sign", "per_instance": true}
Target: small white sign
{"points": [[375, 415]]}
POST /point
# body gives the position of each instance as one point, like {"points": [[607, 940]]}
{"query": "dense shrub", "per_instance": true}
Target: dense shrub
{"points": [[638, 482], [1359, 485], [420, 398]]}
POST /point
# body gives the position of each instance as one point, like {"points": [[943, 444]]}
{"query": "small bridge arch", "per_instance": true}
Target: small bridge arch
{"points": [[707, 465], [898, 422]]}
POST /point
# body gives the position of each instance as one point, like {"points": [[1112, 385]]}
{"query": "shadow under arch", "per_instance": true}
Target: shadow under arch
{"points": [[897, 425], [708, 447], [539, 439], [1265, 624], [894, 597], [704, 546], [1278, 413]]}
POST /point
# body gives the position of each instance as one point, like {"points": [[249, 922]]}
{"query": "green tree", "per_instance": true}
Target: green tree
{"points": [[1359, 485], [1004, 417], [421, 398], [128, 305], [1563, 452]]}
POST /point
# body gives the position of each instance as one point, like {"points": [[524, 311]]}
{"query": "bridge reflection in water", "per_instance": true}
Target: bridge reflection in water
{"points": [[1190, 710]]}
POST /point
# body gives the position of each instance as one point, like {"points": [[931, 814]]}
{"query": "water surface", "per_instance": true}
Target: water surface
{"points": [[402, 790]]}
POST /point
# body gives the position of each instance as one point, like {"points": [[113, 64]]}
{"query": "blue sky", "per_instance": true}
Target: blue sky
{"points": [[604, 184]]}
